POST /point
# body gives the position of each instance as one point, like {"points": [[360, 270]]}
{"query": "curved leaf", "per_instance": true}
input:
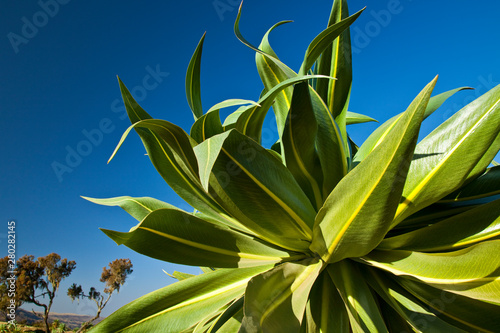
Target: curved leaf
{"points": [[181, 305], [324, 40], [206, 126], [298, 145], [472, 272], [256, 188], [193, 81], [333, 156], [357, 118], [336, 61], [275, 300], [177, 237], [272, 75], [362, 307], [289, 73], [450, 153], [326, 311], [138, 208], [381, 132], [406, 306], [232, 102], [456, 309], [170, 150], [250, 120], [234, 311], [359, 211], [207, 153], [434, 213], [473, 226], [488, 184]]}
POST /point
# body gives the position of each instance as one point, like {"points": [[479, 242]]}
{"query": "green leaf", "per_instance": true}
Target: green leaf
{"points": [[206, 126], [272, 75], [232, 325], [170, 150], [250, 120], [456, 309], [258, 190], [452, 233], [138, 208], [488, 184], [407, 306], [180, 275], [181, 305], [436, 101], [134, 111], [193, 81], [393, 321], [486, 159], [330, 146], [383, 130], [234, 310], [324, 40], [359, 211], [231, 102], [289, 73], [449, 154], [275, 300], [362, 307], [206, 154], [175, 236], [357, 118], [472, 272], [336, 61], [432, 214], [230, 121], [207, 322], [326, 311], [298, 145]]}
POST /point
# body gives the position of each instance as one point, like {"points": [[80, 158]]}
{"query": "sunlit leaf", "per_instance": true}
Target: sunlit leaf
{"points": [[449, 154], [193, 93], [359, 211], [178, 237], [277, 294], [180, 305], [463, 272]]}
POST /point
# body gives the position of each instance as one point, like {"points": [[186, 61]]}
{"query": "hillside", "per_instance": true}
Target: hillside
{"points": [[70, 319]]}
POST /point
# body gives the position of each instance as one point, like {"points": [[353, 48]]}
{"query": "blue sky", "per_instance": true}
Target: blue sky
{"points": [[58, 88]]}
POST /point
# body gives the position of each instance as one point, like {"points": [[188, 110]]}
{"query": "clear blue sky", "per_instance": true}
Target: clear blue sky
{"points": [[58, 82]]}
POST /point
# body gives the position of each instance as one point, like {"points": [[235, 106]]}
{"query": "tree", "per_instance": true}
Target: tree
{"points": [[316, 233], [42, 276], [113, 277]]}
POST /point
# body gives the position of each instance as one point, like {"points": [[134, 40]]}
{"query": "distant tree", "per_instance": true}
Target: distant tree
{"points": [[43, 275], [113, 277]]}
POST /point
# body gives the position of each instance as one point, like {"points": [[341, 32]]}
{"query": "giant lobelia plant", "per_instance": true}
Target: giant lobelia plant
{"points": [[316, 234]]}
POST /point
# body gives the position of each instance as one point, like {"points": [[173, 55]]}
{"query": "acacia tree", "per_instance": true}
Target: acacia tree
{"points": [[43, 275], [113, 277]]}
